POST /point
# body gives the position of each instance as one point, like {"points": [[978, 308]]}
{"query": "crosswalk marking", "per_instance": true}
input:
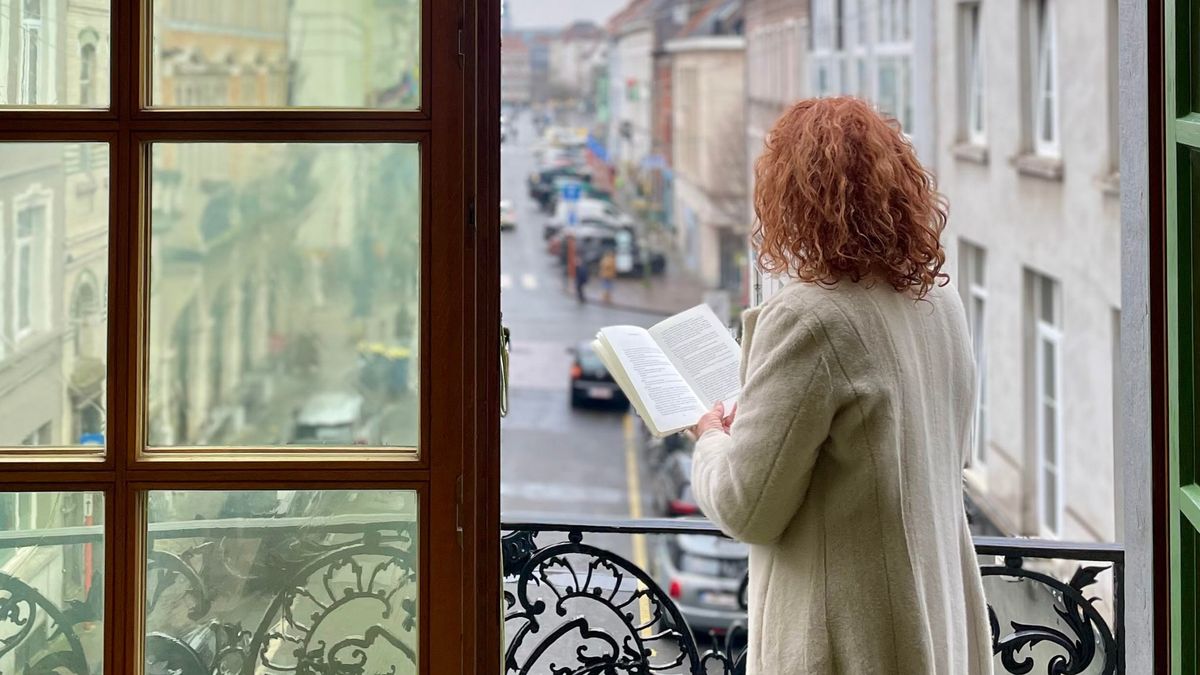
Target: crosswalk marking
{"points": [[528, 281], [505, 281]]}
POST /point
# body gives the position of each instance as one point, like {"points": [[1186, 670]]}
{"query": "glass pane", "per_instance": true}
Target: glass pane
{"points": [[53, 298], [1050, 495], [275, 581], [287, 53], [52, 582], [1046, 289], [54, 53], [1049, 372], [1050, 435], [284, 294], [978, 268]]}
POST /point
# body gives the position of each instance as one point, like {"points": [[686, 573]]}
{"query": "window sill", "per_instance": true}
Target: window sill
{"points": [[1038, 166], [1110, 185], [971, 152]]}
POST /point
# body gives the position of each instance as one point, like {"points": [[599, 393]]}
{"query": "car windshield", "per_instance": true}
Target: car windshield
{"points": [[588, 358]]}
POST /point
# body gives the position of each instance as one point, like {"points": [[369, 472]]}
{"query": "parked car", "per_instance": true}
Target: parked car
{"points": [[508, 215], [672, 485], [591, 383], [333, 418], [703, 574]]}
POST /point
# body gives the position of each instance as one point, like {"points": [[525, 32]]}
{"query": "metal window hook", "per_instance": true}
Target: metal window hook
{"points": [[505, 348]]}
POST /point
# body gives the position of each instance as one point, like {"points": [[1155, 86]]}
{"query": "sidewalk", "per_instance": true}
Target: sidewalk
{"points": [[669, 293]]}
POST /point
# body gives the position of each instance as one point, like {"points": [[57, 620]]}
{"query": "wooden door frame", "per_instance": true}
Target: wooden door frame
{"points": [[483, 641], [438, 474]]}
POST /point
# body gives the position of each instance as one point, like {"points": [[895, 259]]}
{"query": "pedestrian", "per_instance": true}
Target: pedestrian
{"points": [[608, 273], [581, 278], [841, 464]]}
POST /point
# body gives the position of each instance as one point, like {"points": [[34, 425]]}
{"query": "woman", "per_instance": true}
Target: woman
{"points": [[843, 467]]}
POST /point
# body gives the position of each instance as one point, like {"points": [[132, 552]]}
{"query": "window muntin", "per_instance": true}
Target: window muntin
{"points": [[352, 54]]}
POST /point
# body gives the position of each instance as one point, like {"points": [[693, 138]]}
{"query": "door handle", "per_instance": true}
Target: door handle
{"points": [[505, 348]]}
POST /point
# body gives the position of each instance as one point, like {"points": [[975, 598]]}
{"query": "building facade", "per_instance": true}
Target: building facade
{"points": [[776, 75], [516, 71], [709, 151], [1025, 187]]}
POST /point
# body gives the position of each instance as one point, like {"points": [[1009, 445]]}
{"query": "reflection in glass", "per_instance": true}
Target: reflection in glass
{"points": [[51, 582], [54, 53], [287, 53], [284, 294], [53, 276], [276, 581]]}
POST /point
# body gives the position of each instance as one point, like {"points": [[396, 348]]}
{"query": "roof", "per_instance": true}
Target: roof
{"points": [[715, 17], [513, 42], [636, 9], [581, 30]]}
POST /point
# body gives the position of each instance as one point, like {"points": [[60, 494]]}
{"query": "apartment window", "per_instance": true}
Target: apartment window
{"points": [[972, 266], [1044, 77], [87, 73], [31, 223], [31, 35], [1045, 363], [971, 85]]}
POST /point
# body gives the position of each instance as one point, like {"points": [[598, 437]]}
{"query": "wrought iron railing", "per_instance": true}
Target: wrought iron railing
{"points": [[260, 596], [234, 596], [574, 607]]}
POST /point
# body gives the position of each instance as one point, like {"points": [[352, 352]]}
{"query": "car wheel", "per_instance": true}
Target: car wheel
{"points": [[576, 399]]}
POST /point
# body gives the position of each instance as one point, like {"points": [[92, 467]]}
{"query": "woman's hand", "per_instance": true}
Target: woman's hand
{"points": [[714, 420]]}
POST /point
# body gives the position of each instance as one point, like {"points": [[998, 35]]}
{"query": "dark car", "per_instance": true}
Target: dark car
{"points": [[591, 383], [703, 574]]}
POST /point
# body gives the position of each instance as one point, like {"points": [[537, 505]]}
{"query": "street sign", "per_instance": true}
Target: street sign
{"points": [[91, 439], [571, 192]]}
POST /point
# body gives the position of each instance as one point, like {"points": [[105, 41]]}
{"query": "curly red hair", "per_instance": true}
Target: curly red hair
{"points": [[839, 194]]}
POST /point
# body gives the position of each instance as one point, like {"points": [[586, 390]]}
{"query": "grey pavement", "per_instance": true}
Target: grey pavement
{"points": [[556, 460]]}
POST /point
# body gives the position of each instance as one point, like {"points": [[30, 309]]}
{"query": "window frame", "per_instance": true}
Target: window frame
{"points": [[972, 83], [1043, 59], [1047, 333], [452, 475], [972, 274]]}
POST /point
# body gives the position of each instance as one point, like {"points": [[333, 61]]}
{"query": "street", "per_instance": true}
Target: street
{"points": [[555, 459]]}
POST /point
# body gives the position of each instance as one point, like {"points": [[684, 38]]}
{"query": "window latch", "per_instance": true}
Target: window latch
{"points": [[505, 350]]}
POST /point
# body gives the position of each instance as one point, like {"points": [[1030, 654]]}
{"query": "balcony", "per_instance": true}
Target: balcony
{"points": [[334, 596]]}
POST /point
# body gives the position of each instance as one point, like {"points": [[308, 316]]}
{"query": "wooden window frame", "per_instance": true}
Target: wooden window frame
{"points": [[456, 471]]}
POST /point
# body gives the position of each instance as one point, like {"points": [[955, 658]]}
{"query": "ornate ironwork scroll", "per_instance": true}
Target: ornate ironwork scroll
{"points": [[31, 623], [1082, 642], [582, 610]]}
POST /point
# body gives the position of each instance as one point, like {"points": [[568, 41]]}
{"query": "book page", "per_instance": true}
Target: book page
{"points": [[705, 354], [665, 394]]}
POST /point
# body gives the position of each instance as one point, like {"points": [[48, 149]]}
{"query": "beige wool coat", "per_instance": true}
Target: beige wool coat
{"points": [[843, 470]]}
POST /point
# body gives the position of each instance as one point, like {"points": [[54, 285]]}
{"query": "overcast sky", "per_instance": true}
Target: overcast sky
{"points": [[557, 13]]}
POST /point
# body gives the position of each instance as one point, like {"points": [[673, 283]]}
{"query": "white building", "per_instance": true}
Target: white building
{"points": [[708, 148], [878, 50], [631, 76], [573, 55], [1035, 239]]}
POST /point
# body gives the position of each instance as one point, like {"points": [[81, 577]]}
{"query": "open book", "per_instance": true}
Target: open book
{"points": [[675, 371]]}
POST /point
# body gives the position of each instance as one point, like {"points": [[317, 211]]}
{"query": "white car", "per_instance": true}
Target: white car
{"points": [[508, 215]]}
